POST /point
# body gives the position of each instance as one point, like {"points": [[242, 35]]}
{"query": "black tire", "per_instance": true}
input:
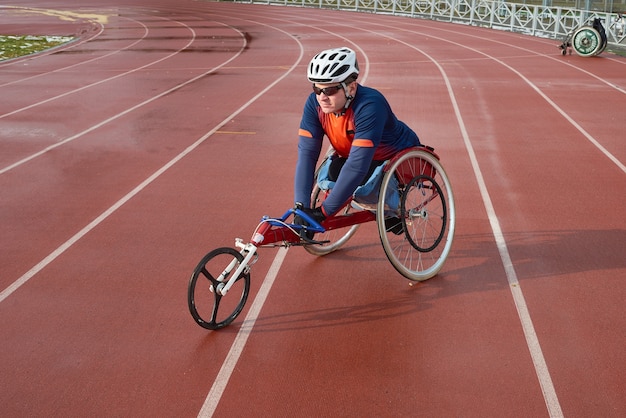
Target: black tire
{"points": [[209, 309]]}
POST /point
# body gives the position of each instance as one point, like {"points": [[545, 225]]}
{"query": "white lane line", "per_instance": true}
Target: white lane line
{"points": [[105, 80], [123, 113], [556, 107], [61, 249], [532, 341], [78, 64], [219, 385]]}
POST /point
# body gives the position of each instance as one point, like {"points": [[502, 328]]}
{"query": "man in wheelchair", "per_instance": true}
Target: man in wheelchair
{"points": [[360, 125]]}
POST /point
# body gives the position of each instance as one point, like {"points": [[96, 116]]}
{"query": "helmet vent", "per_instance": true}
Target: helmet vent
{"points": [[333, 66]]}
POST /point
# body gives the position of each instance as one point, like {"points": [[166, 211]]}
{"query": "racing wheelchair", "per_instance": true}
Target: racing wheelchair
{"points": [[412, 188]]}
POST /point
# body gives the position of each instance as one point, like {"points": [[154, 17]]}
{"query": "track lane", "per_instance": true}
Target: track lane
{"points": [[92, 262], [96, 174], [74, 51], [557, 410], [335, 405], [542, 161], [24, 20], [299, 320], [75, 96]]}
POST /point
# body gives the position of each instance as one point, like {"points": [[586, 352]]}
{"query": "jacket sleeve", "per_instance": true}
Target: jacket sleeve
{"points": [[308, 153], [310, 138]]}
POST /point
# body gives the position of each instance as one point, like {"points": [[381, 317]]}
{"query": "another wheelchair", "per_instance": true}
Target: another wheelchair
{"points": [[587, 40]]}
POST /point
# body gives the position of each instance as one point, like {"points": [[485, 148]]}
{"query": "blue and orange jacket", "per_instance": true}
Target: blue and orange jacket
{"points": [[368, 131]]}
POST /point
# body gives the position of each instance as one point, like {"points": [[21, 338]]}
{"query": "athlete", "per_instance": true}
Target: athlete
{"points": [[359, 124]]}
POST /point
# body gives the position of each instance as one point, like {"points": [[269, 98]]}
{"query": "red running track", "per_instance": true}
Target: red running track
{"points": [[170, 128]]}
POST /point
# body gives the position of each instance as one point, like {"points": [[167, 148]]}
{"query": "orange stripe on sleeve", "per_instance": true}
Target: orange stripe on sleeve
{"points": [[365, 143], [305, 133]]}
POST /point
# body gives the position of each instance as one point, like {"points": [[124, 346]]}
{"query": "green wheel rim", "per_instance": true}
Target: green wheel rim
{"points": [[586, 41]]}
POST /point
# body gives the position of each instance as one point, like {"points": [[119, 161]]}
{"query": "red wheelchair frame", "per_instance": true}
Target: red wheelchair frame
{"points": [[417, 250]]}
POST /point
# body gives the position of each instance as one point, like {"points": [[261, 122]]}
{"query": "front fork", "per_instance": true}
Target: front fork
{"points": [[248, 251]]}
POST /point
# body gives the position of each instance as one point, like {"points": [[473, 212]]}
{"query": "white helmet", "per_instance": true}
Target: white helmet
{"points": [[333, 66]]}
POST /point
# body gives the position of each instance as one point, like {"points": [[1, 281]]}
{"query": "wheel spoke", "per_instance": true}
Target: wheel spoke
{"points": [[216, 306]]}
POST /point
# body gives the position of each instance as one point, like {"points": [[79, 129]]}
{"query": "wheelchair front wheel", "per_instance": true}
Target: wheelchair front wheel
{"points": [[209, 309], [416, 214]]}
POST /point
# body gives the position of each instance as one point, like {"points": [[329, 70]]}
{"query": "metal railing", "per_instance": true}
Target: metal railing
{"points": [[536, 20]]}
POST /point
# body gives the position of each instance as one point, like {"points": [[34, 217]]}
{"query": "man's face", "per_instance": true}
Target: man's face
{"points": [[331, 97]]}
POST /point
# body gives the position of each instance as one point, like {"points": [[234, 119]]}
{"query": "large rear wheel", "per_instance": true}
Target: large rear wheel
{"points": [[416, 214]]}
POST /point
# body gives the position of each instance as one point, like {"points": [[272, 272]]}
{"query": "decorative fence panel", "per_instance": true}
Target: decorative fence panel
{"points": [[536, 20]]}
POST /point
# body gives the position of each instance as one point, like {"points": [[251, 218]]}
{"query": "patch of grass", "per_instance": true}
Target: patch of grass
{"points": [[17, 46]]}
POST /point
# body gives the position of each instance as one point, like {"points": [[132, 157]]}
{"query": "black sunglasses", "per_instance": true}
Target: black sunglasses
{"points": [[328, 91]]}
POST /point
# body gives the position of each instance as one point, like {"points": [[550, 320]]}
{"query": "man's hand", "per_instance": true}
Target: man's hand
{"points": [[316, 214]]}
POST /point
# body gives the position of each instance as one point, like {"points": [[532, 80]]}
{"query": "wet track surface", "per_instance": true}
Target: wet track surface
{"points": [[168, 129]]}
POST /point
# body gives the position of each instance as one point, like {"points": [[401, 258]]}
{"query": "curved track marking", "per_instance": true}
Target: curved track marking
{"points": [[67, 244], [134, 70], [541, 368], [222, 379], [533, 86], [47, 52], [114, 117], [491, 40], [146, 31]]}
